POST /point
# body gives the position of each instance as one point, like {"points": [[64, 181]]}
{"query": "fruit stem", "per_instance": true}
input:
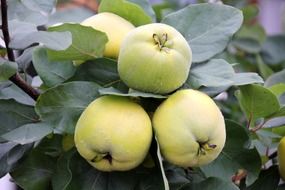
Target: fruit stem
{"points": [[160, 41], [204, 147], [99, 157]]}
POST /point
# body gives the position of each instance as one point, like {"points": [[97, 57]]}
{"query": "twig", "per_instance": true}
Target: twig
{"points": [[16, 79], [258, 126]]}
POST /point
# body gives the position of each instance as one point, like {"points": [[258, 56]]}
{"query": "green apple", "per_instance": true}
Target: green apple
{"points": [[190, 128], [113, 133], [281, 157], [115, 27], [154, 58]]}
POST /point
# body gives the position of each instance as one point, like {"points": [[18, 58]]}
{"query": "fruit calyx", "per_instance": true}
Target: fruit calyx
{"points": [[162, 42], [204, 147], [99, 157]]}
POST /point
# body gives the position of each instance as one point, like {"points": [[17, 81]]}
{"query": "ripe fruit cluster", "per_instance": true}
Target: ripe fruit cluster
{"points": [[115, 133]]}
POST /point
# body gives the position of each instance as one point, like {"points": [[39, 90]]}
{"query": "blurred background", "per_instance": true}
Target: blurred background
{"points": [[256, 46]]}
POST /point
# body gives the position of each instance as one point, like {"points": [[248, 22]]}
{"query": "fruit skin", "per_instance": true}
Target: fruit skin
{"points": [[190, 128], [115, 27], [113, 133], [154, 58], [281, 157]]}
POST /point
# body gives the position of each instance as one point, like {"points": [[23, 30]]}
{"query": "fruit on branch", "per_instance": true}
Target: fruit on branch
{"points": [[113, 133], [190, 128], [281, 158], [115, 28], [154, 58]]}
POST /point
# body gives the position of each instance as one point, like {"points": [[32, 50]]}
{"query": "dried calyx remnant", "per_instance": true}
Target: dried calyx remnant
{"points": [[162, 42], [204, 147], [106, 156]]}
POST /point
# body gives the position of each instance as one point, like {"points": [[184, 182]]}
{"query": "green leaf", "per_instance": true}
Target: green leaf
{"points": [[276, 78], [10, 154], [35, 171], [272, 50], [62, 105], [102, 71], [257, 101], [52, 40], [279, 113], [87, 43], [207, 27], [218, 73], [277, 89], [28, 133], [51, 72], [7, 69], [131, 11], [264, 69], [11, 91], [250, 38], [267, 179], [14, 115], [210, 183], [246, 44], [147, 7], [131, 93], [215, 73], [240, 79], [235, 155]]}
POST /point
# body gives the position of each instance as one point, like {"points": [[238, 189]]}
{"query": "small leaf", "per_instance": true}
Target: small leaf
{"points": [[52, 40], [51, 72], [207, 27], [62, 105], [35, 171], [28, 133], [130, 11], [7, 69], [257, 101], [131, 93], [87, 43]]}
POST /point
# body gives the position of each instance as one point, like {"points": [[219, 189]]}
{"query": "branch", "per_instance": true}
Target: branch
{"points": [[16, 79]]}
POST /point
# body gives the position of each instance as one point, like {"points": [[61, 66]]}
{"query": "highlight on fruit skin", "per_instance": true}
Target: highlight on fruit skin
{"points": [[190, 129], [281, 157], [113, 133], [154, 58], [115, 27]]}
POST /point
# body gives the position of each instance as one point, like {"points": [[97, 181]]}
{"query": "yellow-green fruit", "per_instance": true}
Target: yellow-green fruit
{"points": [[190, 128], [115, 28], [281, 158], [113, 133], [154, 58]]}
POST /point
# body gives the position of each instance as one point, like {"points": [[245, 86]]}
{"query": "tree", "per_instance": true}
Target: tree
{"points": [[42, 95]]}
